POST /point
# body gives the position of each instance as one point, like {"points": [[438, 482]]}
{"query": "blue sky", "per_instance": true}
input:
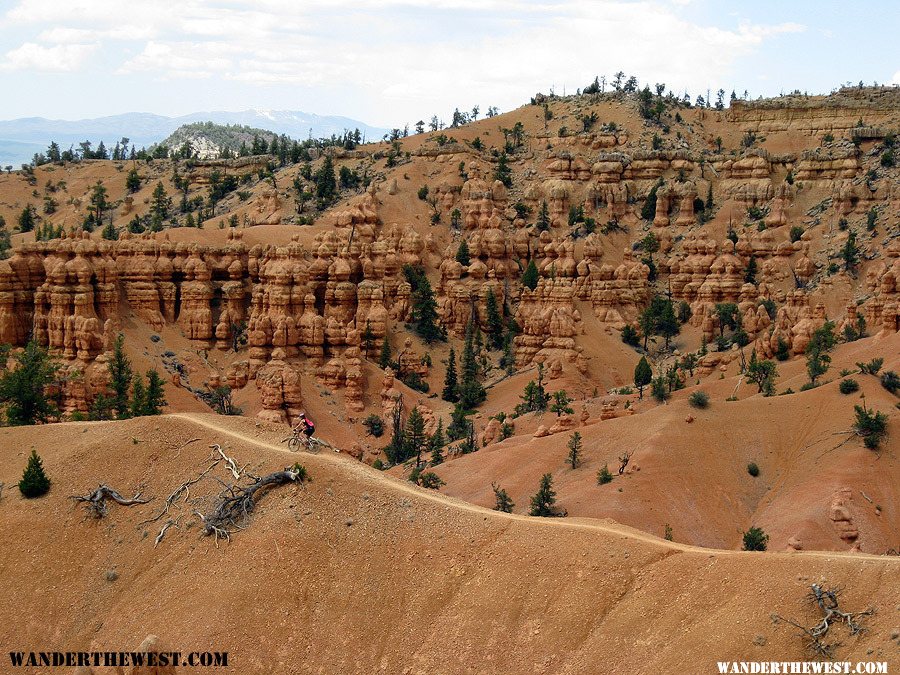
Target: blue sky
{"points": [[390, 62]]}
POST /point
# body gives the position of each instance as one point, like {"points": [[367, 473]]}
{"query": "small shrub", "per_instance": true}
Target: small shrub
{"points": [[699, 399], [630, 336], [796, 233], [890, 381], [870, 368], [414, 381], [604, 475], [755, 539], [659, 389], [783, 350], [753, 469], [848, 386], [502, 500], [34, 481], [374, 425], [430, 480], [302, 474], [871, 425]]}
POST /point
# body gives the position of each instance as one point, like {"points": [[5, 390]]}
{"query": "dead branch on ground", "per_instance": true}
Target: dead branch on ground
{"points": [[236, 503], [229, 462], [183, 490], [816, 635], [95, 502], [162, 532]]}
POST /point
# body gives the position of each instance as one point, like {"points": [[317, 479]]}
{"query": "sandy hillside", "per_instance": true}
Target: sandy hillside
{"points": [[358, 572]]}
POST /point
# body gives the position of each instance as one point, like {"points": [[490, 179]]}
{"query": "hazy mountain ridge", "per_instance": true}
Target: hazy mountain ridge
{"points": [[209, 140], [145, 129]]}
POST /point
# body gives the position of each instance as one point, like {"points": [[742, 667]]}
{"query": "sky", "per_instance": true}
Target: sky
{"points": [[393, 62]]}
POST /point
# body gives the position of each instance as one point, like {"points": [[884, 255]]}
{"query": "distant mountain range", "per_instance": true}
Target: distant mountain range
{"points": [[21, 138]]}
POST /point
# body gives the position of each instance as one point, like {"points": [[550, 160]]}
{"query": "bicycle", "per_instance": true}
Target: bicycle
{"points": [[312, 444]]}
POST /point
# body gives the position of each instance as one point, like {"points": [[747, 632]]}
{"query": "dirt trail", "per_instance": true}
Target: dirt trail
{"points": [[366, 473]]}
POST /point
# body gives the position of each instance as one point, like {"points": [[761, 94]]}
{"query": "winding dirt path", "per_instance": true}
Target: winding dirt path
{"points": [[366, 473]]}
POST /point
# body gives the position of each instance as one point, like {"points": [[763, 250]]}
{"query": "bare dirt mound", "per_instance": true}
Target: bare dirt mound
{"points": [[818, 487], [357, 572]]}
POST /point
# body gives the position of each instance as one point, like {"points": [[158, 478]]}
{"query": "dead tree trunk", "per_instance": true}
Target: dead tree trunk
{"points": [[236, 503], [827, 601], [95, 502], [623, 461]]}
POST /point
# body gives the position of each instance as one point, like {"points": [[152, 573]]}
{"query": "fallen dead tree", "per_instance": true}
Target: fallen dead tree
{"points": [[236, 503], [95, 502], [183, 491], [817, 635]]}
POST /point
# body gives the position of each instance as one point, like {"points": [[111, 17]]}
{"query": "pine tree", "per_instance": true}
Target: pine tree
{"points": [[667, 325], [503, 502], [763, 373], [574, 446], [138, 397], [494, 320], [750, 272], [367, 339], [530, 276], [508, 358], [459, 424], [133, 181], [471, 392], [755, 539], [22, 387], [437, 442], [544, 499], [34, 481], [396, 449], [155, 397], [326, 183], [109, 231], [503, 172], [535, 397], [451, 386], [159, 205], [120, 375], [543, 219], [818, 359], [26, 219], [462, 254], [416, 438], [850, 252], [98, 201], [424, 312], [648, 210], [384, 358], [560, 403], [643, 375]]}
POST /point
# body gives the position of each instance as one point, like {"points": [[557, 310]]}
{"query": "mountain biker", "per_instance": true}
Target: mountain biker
{"points": [[305, 425]]}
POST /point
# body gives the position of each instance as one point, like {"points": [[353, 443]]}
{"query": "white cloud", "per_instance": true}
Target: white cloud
{"points": [[63, 58], [66, 35], [896, 79], [404, 57], [180, 59]]}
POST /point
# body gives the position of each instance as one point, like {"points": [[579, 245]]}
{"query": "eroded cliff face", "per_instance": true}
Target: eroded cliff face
{"points": [[303, 307]]}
